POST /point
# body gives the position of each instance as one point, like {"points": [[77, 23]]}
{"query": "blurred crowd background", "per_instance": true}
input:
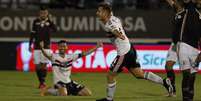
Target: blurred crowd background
{"points": [[83, 4]]}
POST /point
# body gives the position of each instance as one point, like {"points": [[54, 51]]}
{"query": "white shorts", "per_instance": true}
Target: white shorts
{"points": [[187, 56], [39, 57], [172, 54]]}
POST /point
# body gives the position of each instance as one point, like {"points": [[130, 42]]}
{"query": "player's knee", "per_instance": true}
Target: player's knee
{"points": [[85, 92], [169, 65]]}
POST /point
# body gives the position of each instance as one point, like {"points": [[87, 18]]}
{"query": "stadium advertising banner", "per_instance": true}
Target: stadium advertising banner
{"points": [[84, 24], [151, 57]]}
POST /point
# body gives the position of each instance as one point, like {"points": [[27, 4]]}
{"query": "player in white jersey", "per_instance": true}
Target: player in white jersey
{"points": [[61, 65], [126, 55]]}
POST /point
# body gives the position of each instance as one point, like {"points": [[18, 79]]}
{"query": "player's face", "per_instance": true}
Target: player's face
{"points": [[101, 13], [62, 48], [43, 14]]}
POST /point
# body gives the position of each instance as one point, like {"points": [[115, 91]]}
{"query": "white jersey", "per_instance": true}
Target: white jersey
{"points": [[122, 46], [62, 67]]}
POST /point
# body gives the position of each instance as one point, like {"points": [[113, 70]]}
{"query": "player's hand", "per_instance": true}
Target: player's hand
{"points": [[41, 44], [99, 44]]}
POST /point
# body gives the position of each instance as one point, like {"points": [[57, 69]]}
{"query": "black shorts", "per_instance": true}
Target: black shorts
{"points": [[129, 60], [73, 88]]}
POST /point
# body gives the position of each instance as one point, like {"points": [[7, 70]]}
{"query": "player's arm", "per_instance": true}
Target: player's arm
{"points": [[99, 44], [31, 38], [174, 4], [44, 52], [52, 25], [32, 35], [118, 34]]}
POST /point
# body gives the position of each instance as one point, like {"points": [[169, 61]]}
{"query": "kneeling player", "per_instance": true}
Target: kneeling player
{"points": [[62, 64]]}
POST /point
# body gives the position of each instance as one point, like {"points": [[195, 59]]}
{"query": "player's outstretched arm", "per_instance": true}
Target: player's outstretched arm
{"points": [[174, 4], [43, 51], [99, 44]]}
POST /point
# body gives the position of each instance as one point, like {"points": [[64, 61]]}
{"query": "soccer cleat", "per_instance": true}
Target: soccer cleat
{"points": [[174, 92], [167, 84], [104, 99]]}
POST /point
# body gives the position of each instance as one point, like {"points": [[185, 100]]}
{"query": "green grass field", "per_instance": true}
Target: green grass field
{"points": [[22, 86]]}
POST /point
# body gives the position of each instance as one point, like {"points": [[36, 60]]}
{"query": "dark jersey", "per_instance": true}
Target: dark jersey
{"points": [[41, 30], [187, 25], [176, 27]]}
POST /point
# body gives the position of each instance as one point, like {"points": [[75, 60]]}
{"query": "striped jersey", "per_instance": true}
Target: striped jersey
{"points": [[61, 67], [122, 46]]}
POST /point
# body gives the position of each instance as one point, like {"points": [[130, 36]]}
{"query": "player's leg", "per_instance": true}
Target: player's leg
{"points": [[42, 68], [134, 68], [59, 89], [85, 92], [188, 85], [170, 74], [115, 68], [140, 74], [171, 60], [62, 89], [77, 89], [40, 71], [187, 60], [111, 87]]}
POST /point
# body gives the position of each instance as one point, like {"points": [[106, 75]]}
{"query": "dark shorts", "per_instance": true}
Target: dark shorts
{"points": [[73, 88], [129, 60]]}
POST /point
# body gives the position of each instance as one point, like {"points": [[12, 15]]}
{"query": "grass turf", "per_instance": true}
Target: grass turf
{"points": [[22, 86]]}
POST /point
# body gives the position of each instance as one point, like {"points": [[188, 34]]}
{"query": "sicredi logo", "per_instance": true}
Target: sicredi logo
{"points": [[152, 59]]}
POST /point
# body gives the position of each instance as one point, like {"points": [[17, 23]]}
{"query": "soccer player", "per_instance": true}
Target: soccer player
{"points": [[61, 65], [126, 55], [42, 27], [172, 55], [188, 22]]}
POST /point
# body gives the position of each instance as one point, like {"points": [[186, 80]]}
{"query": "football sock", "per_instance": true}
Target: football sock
{"points": [[188, 85], [153, 77], [41, 74], [110, 90], [171, 76], [191, 86]]}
